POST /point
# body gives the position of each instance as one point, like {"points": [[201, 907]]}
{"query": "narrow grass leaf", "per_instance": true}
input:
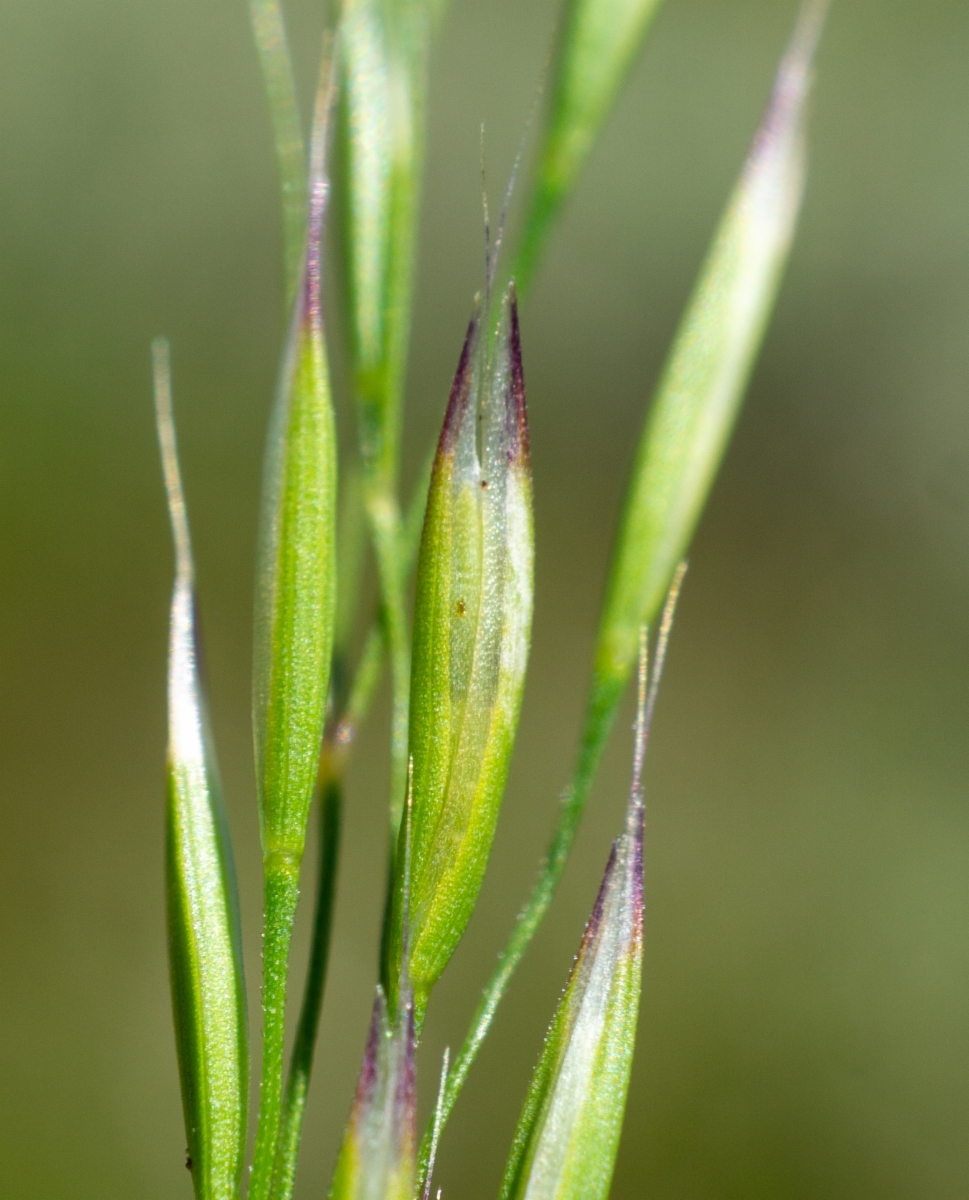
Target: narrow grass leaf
{"points": [[384, 53], [330, 796], [597, 45], [269, 31], [704, 380], [296, 589], [295, 606], [472, 629], [208, 990]]}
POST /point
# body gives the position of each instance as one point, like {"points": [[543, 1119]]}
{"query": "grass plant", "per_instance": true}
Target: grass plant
{"points": [[458, 664]]}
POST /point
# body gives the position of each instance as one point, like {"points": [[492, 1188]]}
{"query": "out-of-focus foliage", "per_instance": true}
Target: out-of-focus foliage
{"points": [[597, 44], [805, 911]]}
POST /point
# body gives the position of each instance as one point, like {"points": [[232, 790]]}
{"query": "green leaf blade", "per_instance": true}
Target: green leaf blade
{"points": [[296, 604], [704, 380], [205, 955], [597, 46]]}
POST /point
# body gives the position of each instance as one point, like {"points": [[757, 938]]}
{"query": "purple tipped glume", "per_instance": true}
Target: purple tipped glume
{"points": [[793, 79], [367, 1084], [461, 390], [517, 413]]}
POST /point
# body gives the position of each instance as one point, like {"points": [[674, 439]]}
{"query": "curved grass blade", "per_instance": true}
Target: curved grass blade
{"points": [[205, 954], [295, 607], [568, 1135], [683, 441], [330, 786], [597, 45], [472, 626], [269, 31]]}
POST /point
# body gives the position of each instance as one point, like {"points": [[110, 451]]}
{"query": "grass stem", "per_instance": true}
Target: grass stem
{"points": [[330, 802], [281, 893]]}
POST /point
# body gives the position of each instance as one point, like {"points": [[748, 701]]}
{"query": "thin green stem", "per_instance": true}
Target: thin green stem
{"points": [[386, 526], [301, 1062], [270, 35], [281, 892], [597, 44], [364, 685], [353, 541], [361, 690]]}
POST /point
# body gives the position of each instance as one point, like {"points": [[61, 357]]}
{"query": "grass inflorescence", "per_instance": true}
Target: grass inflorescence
{"points": [[457, 641]]}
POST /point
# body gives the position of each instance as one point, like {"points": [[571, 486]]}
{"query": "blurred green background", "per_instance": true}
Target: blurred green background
{"points": [[805, 1025]]}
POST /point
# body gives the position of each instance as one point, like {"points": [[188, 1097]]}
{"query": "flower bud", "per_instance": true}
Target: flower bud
{"points": [[294, 623], [378, 1159], [296, 573], [472, 627], [568, 1135]]}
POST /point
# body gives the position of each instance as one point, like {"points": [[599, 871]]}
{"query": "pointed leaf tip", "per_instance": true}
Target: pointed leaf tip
{"points": [[165, 423], [205, 955], [459, 400], [269, 32], [518, 447]]}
